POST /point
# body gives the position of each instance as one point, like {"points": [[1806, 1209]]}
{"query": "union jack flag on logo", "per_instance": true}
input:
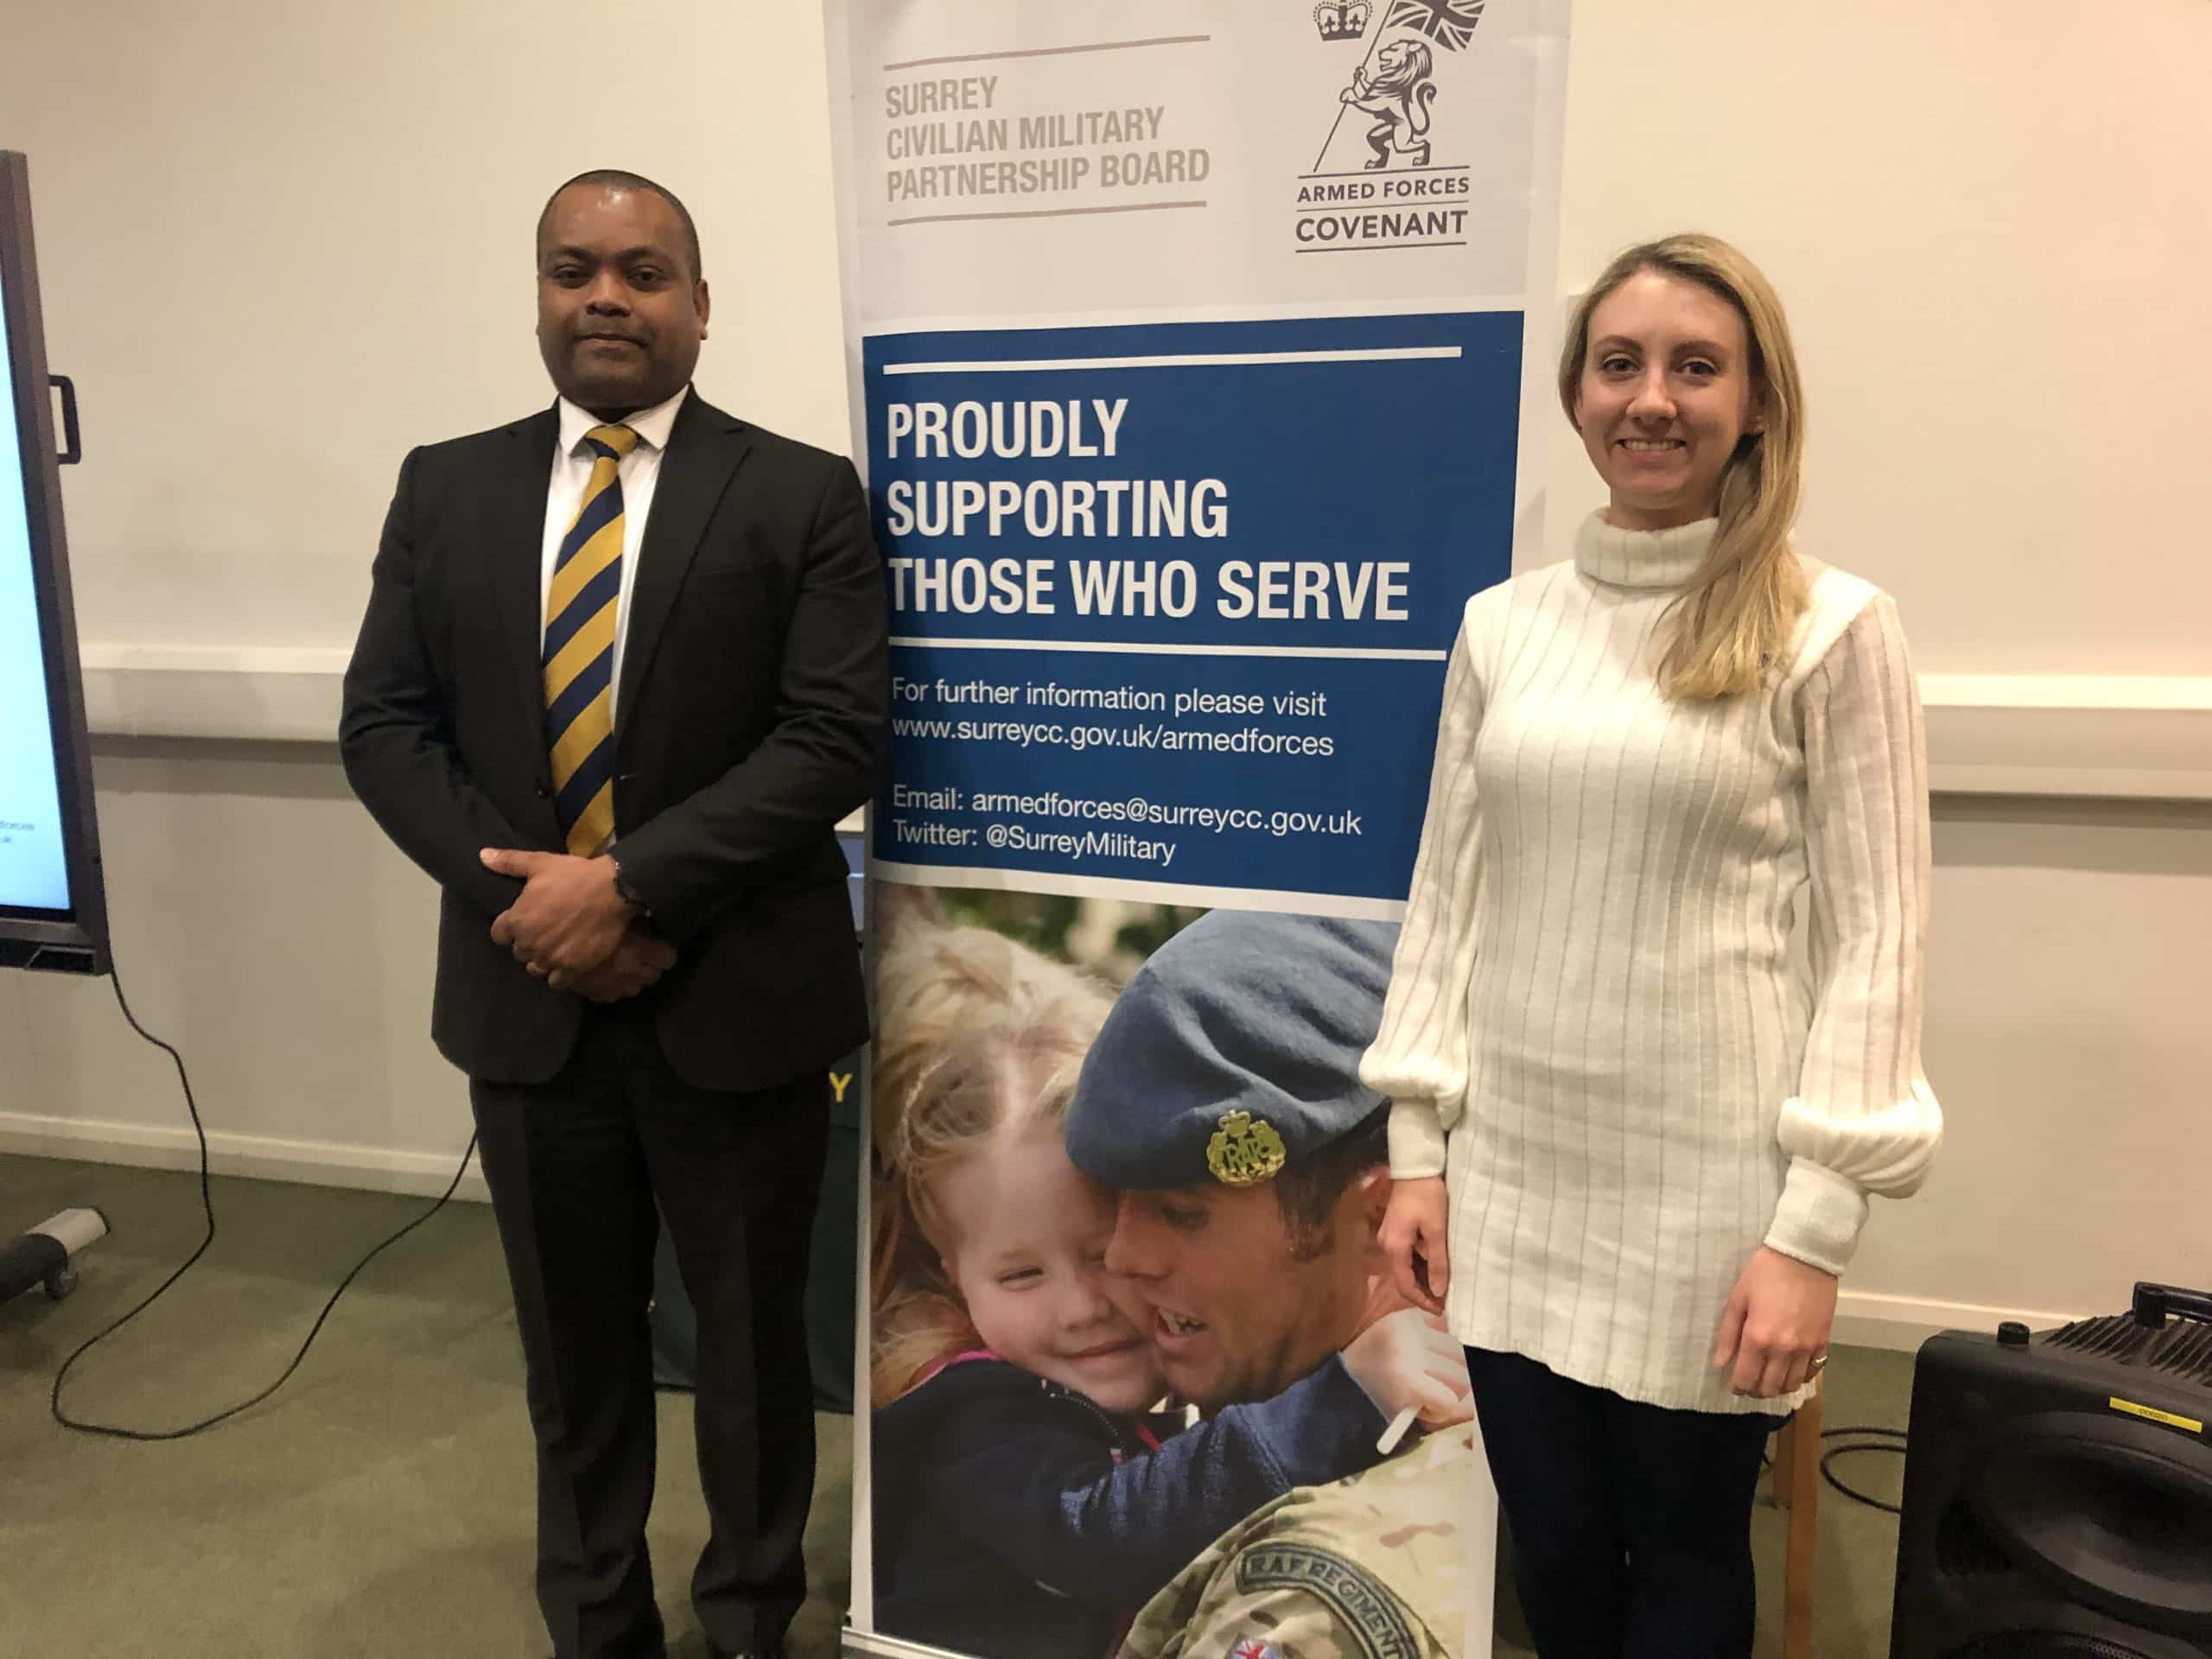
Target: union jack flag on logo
{"points": [[1450, 23], [1252, 1647]]}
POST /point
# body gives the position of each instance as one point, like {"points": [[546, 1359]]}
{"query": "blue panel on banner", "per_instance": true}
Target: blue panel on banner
{"points": [[1284, 804], [1181, 593]]}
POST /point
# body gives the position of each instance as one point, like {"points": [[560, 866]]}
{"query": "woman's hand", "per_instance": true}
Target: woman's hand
{"points": [[1413, 1237], [1408, 1361], [1776, 1330]]}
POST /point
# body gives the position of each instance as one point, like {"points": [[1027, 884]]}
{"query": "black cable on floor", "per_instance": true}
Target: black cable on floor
{"points": [[207, 1206], [1880, 1440]]}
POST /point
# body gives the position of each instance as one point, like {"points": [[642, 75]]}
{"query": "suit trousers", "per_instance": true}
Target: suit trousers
{"points": [[577, 1166], [1631, 1524]]}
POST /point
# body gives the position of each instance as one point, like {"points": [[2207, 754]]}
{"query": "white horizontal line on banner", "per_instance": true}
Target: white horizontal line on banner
{"points": [[1051, 51], [1071, 883], [1189, 360], [1367, 173], [954, 322], [1099, 647], [1377, 247], [1041, 212]]}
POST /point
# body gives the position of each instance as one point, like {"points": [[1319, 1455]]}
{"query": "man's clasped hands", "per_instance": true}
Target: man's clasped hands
{"points": [[571, 928]]}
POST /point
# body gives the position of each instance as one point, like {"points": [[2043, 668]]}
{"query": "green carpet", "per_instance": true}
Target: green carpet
{"points": [[380, 1504]]}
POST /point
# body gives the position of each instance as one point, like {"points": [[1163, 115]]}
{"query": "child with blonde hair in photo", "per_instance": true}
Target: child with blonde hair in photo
{"points": [[1027, 1495]]}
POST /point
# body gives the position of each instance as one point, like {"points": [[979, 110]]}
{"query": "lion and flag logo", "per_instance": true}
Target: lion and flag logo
{"points": [[1393, 83]]}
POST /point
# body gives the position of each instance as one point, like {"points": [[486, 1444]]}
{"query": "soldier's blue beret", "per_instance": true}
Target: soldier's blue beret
{"points": [[1234, 1053]]}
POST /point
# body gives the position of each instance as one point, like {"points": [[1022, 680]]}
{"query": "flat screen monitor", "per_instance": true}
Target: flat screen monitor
{"points": [[53, 908]]}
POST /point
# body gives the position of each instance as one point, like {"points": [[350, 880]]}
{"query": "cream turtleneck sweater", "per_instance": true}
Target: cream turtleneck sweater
{"points": [[1594, 1030]]}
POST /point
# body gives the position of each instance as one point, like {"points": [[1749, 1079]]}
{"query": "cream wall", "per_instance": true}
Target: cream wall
{"points": [[282, 243], [1987, 219], [1976, 210], [2067, 974]]}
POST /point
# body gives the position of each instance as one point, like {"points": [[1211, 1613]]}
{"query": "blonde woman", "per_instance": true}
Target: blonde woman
{"points": [[1633, 1148]]}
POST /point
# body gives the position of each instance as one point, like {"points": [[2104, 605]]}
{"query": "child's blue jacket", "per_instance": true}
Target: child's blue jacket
{"points": [[1015, 1519]]}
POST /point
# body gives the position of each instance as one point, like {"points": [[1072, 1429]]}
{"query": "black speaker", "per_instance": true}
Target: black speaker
{"points": [[2058, 1490]]}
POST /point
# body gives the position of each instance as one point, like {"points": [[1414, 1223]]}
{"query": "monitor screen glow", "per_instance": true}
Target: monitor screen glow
{"points": [[34, 863]]}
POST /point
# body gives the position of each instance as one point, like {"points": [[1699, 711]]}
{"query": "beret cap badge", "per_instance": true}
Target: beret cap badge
{"points": [[1245, 1151]]}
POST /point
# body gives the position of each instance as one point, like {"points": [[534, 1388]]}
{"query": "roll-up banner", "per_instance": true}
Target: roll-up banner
{"points": [[1188, 353]]}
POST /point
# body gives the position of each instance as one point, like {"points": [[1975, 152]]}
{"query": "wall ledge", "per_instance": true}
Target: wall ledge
{"points": [[2110, 736]]}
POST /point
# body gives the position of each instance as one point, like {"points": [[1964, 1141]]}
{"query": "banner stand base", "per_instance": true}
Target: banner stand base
{"points": [[869, 1645]]}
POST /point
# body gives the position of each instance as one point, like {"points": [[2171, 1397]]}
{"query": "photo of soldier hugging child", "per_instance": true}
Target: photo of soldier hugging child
{"points": [[1138, 1379]]}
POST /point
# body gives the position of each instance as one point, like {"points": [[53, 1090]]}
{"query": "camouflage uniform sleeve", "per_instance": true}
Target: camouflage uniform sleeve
{"points": [[1302, 1601], [1301, 1580]]}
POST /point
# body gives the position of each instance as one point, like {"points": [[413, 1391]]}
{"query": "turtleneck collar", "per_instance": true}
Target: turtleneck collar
{"points": [[1641, 558]]}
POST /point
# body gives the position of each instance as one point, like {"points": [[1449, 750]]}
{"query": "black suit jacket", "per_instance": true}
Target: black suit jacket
{"points": [[749, 719]]}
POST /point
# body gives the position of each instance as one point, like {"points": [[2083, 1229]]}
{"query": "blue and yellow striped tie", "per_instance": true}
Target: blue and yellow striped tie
{"points": [[581, 607]]}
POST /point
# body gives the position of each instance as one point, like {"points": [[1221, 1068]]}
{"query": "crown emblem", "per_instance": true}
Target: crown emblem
{"points": [[1244, 1151], [1341, 20]]}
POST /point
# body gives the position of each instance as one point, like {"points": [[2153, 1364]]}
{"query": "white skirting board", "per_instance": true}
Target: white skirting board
{"points": [[1863, 1319], [270, 1158], [2116, 736]]}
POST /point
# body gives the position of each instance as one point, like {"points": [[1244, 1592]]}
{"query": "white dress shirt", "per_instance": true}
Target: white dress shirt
{"points": [[640, 472]]}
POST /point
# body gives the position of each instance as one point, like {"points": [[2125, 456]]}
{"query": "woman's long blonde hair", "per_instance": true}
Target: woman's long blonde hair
{"points": [[983, 1039], [1740, 610]]}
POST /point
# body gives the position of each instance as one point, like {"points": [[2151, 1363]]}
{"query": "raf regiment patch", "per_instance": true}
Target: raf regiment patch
{"points": [[1366, 1609], [1244, 1151]]}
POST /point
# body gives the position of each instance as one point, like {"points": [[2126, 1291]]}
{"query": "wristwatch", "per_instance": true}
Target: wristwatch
{"points": [[628, 894]]}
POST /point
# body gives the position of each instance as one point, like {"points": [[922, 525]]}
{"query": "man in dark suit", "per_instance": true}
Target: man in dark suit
{"points": [[622, 670]]}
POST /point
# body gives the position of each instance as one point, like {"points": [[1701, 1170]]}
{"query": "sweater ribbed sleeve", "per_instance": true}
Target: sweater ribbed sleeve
{"points": [[1418, 1058], [1863, 1119]]}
